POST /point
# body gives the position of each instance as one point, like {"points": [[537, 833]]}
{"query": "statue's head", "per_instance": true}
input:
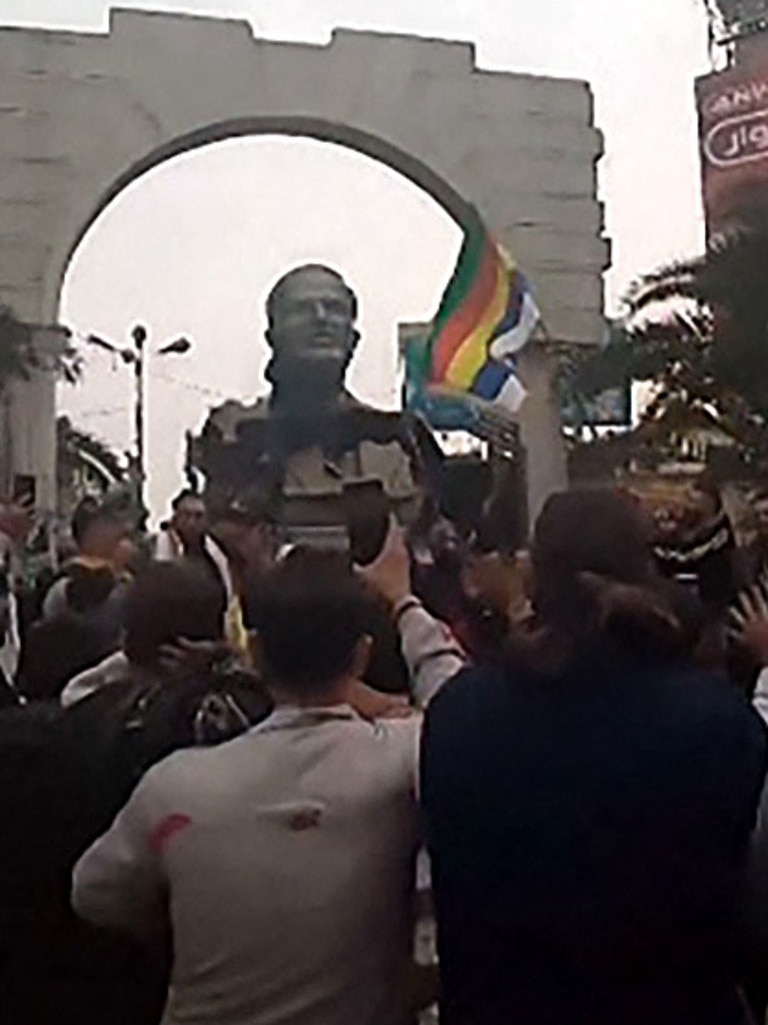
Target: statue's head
{"points": [[311, 313]]}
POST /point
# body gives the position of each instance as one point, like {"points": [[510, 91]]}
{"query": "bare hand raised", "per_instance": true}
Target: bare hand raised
{"points": [[750, 620]]}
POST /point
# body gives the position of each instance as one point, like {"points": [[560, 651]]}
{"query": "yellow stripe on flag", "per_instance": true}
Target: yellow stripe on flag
{"points": [[473, 354]]}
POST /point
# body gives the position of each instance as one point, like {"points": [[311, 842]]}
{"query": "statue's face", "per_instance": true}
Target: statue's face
{"points": [[313, 322]]}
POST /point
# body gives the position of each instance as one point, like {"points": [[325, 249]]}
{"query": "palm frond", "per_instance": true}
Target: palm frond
{"points": [[73, 443], [674, 280]]}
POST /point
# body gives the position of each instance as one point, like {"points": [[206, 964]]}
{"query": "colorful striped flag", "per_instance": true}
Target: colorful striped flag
{"points": [[487, 315]]}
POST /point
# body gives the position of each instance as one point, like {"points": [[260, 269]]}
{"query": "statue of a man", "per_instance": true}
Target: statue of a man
{"points": [[310, 437]]}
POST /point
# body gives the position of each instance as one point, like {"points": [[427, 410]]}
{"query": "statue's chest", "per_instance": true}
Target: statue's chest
{"points": [[312, 473]]}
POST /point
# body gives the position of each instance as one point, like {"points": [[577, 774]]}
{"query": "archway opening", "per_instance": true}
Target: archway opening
{"points": [[192, 246]]}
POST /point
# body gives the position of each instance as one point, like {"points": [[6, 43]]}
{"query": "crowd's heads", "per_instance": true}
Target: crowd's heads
{"points": [[98, 529], [169, 602], [189, 518], [682, 510], [246, 528], [597, 532], [311, 313], [312, 617]]}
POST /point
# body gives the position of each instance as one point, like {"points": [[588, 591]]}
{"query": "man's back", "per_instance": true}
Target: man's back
{"points": [[587, 834], [289, 854]]}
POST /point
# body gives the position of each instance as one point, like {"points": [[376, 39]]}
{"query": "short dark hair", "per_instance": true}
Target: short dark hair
{"points": [[587, 530], [277, 294], [169, 601], [185, 496], [310, 611], [88, 514]]}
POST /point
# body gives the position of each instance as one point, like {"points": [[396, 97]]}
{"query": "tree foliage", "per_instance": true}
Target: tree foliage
{"points": [[698, 331]]}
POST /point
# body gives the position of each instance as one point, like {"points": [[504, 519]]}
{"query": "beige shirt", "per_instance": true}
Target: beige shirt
{"points": [[285, 859]]}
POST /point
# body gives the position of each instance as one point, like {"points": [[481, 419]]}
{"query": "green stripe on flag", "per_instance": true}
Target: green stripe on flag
{"points": [[465, 274]]}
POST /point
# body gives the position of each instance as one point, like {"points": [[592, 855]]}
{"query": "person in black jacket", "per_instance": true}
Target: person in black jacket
{"points": [[590, 801], [84, 632]]}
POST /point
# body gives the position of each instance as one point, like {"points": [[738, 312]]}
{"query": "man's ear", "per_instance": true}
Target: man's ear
{"points": [[361, 659], [352, 343]]}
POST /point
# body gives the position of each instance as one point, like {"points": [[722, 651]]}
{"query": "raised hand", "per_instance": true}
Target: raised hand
{"points": [[390, 574]]}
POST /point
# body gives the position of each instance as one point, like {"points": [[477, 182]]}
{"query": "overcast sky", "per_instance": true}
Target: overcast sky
{"points": [[202, 269]]}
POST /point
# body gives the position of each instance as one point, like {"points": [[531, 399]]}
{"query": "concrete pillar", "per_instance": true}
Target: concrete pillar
{"points": [[31, 420], [541, 429]]}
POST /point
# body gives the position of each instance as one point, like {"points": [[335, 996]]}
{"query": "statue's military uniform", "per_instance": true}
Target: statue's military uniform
{"points": [[243, 450]]}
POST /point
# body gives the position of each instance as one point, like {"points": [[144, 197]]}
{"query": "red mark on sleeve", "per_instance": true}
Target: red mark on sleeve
{"points": [[165, 831]]}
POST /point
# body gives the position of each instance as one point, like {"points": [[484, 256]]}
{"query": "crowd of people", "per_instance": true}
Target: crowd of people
{"points": [[222, 759]]}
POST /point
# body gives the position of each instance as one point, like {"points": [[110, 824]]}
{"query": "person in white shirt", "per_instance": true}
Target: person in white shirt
{"points": [[283, 862]]}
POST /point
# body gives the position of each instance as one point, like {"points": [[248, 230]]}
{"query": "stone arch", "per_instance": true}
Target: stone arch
{"points": [[82, 114], [454, 204]]}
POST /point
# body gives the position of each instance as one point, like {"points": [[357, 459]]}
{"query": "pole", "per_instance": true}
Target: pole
{"points": [[139, 335]]}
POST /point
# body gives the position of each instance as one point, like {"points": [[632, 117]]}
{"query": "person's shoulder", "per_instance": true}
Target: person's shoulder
{"points": [[475, 692], [199, 770], [403, 731], [227, 420], [712, 704], [180, 765]]}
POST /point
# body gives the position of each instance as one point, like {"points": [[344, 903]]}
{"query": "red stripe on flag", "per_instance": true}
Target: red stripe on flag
{"points": [[466, 318]]}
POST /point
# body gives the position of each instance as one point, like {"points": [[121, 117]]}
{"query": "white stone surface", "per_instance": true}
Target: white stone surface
{"points": [[81, 115]]}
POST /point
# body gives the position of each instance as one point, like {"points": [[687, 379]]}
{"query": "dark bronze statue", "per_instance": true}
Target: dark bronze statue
{"points": [[301, 445]]}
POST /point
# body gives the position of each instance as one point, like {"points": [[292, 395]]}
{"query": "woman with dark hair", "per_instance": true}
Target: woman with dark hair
{"points": [[589, 802]]}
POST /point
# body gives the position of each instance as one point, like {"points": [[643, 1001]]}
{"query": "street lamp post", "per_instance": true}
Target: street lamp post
{"points": [[136, 355], [732, 20], [139, 336]]}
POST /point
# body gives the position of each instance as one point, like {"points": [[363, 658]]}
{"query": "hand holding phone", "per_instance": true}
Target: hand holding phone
{"points": [[368, 512], [390, 573]]}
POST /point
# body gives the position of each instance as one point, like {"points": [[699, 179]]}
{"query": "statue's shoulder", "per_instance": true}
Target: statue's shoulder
{"points": [[227, 420], [374, 424], [386, 426]]}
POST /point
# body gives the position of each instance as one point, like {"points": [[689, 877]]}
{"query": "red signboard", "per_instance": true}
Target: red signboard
{"points": [[733, 122]]}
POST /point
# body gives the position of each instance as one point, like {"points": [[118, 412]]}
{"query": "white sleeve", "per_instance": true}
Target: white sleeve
{"points": [[431, 651], [760, 699], [119, 882]]}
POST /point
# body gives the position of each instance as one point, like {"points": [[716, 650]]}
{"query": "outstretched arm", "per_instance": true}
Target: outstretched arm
{"points": [[430, 649], [119, 883]]}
